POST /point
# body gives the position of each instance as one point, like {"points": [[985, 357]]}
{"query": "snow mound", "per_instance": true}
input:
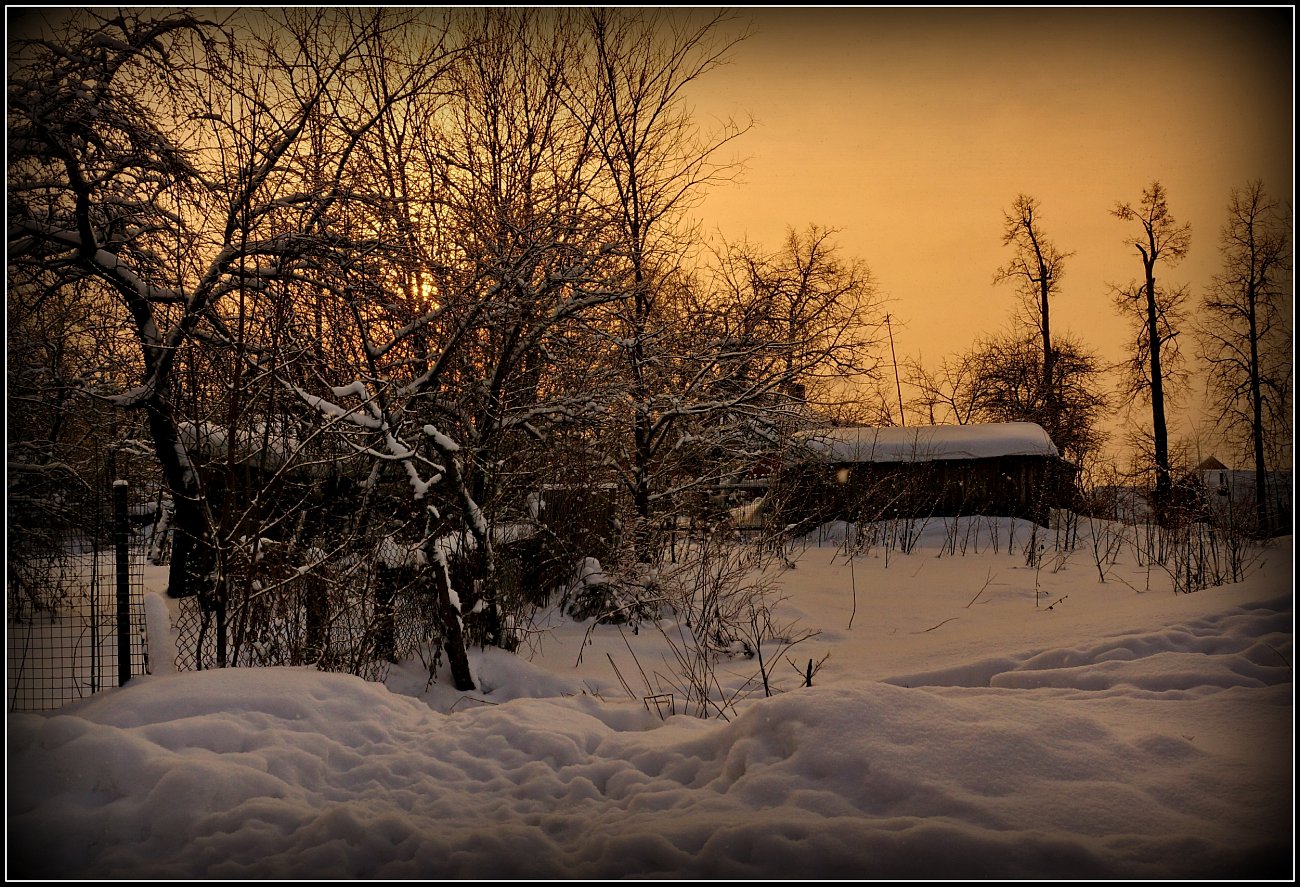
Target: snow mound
{"points": [[280, 773]]}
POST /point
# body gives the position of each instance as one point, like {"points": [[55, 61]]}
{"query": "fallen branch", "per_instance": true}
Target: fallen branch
{"points": [[986, 584], [933, 627]]}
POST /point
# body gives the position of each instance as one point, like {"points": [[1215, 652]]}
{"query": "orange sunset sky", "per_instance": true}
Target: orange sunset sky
{"points": [[912, 130]]}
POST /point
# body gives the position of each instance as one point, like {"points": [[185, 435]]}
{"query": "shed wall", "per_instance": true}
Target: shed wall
{"points": [[1011, 486]]}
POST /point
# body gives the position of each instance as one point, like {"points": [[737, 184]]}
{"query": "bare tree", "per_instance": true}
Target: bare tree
{"points": [[1246, 334], [1036, 268], [948, 394], [1009, 388], [819, 311], [102, 187], [1000, 379], [654, 163], [1021, 376], [192, 177], [483, 191], [764, 345], [1156, 311]]}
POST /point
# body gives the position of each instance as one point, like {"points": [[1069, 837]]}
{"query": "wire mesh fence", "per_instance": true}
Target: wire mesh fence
{"points": [[64, 602], [351, 618]]}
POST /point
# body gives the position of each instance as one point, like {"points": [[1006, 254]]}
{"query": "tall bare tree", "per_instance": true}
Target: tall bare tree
{"points": [[103, 187], [1246, 334], [1160, 241], [505, 238], [655, 163], [1036, 268]]}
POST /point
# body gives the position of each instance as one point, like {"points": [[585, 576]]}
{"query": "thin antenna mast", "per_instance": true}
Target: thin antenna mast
{"points": [[902, 417]]}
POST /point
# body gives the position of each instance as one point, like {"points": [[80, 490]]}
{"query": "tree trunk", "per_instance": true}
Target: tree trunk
{"points": [[642, 421], [1159, 430], [1263, 524], [192, 547], [453, 638], [1049, 399]]}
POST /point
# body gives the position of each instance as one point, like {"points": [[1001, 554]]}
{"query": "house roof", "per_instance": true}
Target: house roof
{"points": [[1212, 464], [929, 443]]}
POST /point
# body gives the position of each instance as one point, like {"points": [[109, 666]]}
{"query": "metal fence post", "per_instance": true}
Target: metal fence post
{"points": [[121, 540]]}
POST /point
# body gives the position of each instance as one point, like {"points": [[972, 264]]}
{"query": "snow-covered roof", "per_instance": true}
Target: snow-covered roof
{"points": [[929, 443], [209, 442], [258, 446]]}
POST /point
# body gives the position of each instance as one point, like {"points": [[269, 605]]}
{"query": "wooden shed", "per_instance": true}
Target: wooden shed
{"points": [[1009, 469]]}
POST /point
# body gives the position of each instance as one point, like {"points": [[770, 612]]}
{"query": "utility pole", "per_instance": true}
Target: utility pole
{"points": [[902, 417]]}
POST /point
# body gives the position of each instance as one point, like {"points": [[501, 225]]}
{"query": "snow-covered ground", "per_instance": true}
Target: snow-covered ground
{"points": [[975, 718]]}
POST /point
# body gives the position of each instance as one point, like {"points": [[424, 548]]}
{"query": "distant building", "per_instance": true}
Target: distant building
{"points": [[1229, 495], [1009, 469]]}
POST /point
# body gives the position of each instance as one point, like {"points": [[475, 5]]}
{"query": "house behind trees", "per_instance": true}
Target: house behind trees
{"points": [[1228, 497]]}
